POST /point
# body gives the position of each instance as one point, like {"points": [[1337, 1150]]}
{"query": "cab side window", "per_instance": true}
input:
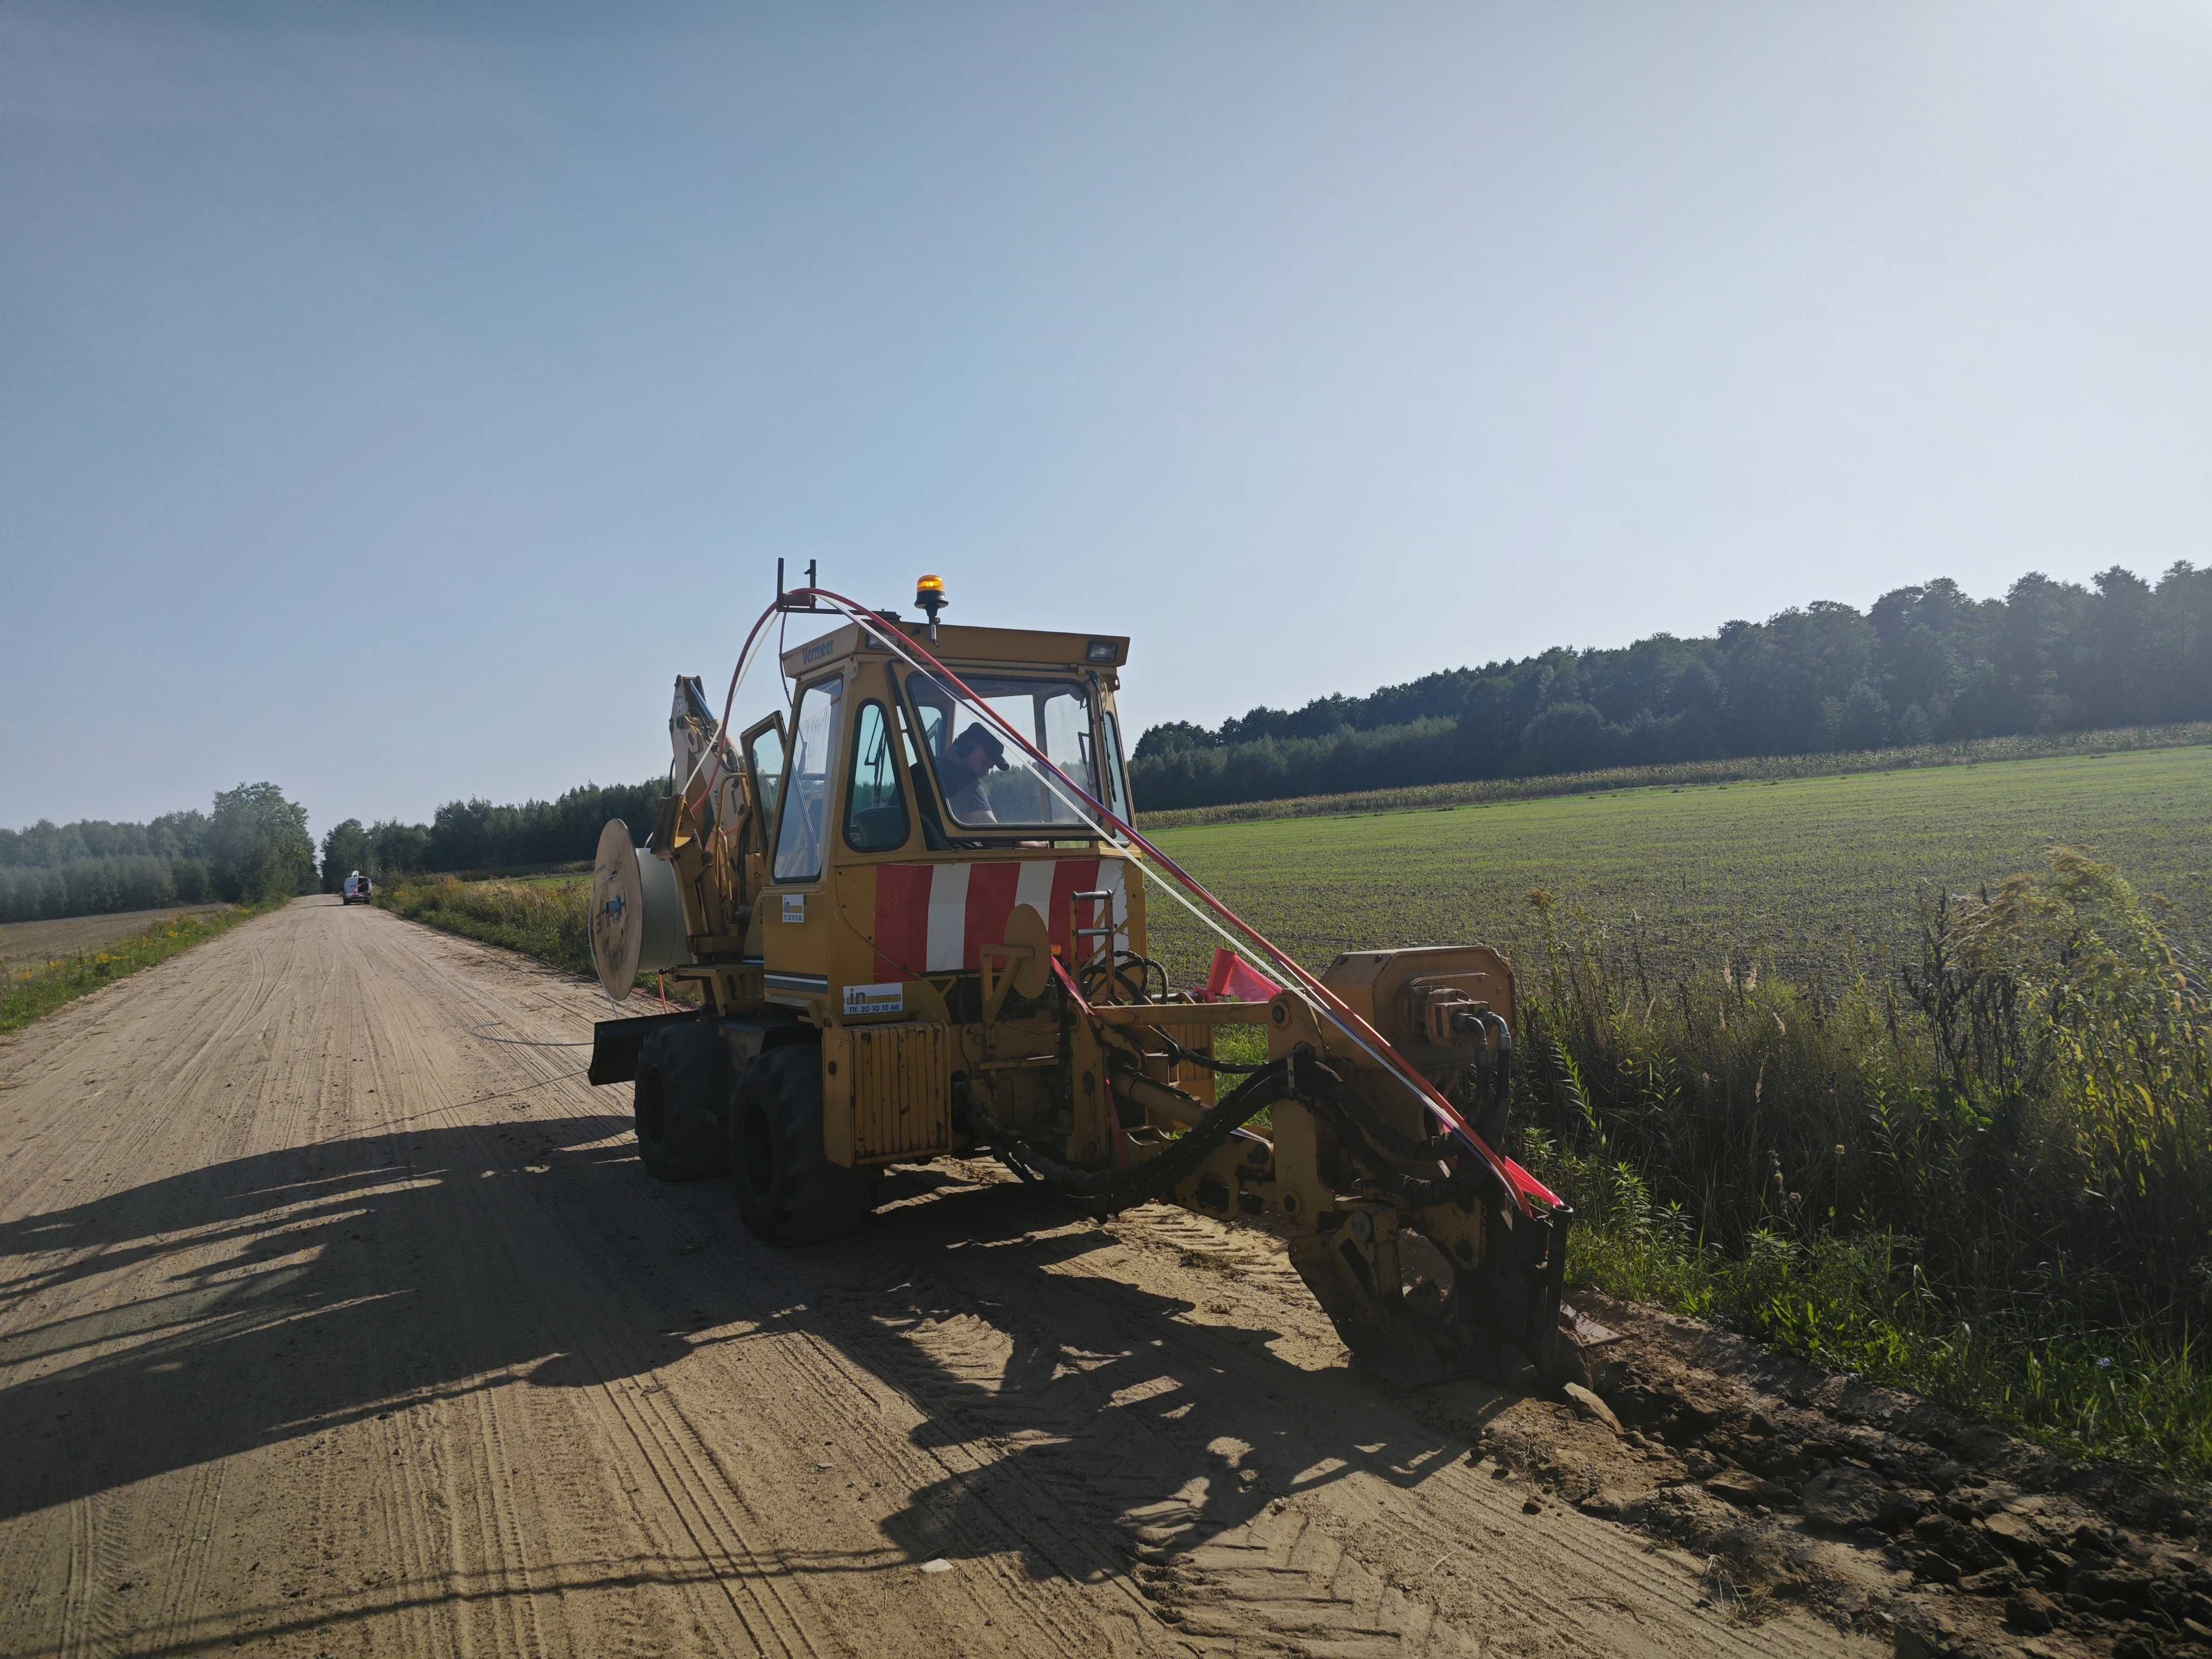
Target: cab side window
{"points": [[875, 809], [1117, 778], [764, 749], [806, 784]]}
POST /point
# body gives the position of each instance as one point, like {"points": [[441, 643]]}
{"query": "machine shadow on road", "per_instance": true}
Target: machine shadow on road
{"points": [[1117, 1422], [1081, 1419], [299, 1289]]}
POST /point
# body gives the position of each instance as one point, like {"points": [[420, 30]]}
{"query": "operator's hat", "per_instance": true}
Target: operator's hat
{"points": [[981, 737]]}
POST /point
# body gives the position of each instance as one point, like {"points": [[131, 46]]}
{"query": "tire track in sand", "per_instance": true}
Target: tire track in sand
{"points": [[683, 1460]]}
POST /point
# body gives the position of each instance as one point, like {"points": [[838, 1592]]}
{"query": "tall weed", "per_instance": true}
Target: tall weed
{"points": [[547, 920], [1985, 1178]]}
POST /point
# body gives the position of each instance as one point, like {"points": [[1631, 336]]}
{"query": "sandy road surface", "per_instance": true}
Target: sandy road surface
{"points": [[329, 1328]]}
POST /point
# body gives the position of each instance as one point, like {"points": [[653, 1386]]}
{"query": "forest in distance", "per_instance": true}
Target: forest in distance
{"points": [[1924, 664], [475, 835], [253, 845]]}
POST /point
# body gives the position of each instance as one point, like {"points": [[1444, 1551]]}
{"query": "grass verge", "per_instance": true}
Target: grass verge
{"points": [[30, 993], [546, 920]]}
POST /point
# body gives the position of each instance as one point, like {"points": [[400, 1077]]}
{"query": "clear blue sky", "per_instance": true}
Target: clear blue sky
{"points": [[392, 400]]}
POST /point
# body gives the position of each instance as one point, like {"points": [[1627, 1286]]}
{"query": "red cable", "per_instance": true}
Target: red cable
{"points": [[1522, 1185], [1518, 1182]]}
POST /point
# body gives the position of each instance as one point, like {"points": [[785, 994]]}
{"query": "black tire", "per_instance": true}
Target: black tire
{"points": [[680, 1103], [788, 1191]]}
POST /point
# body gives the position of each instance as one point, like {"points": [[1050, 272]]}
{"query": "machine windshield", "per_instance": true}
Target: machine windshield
{"points": [[988, 780]]}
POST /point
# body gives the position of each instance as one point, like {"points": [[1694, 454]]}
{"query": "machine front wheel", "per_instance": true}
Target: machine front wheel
{"points": [[681, 1103], [788, 1191]]}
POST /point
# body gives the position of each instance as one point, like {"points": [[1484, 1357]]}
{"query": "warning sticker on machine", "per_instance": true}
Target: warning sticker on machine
{"points": [[794, 906], [875, 1000]]}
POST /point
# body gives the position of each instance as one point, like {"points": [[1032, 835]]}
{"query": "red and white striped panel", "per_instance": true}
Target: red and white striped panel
{"points": [[935, 918]]}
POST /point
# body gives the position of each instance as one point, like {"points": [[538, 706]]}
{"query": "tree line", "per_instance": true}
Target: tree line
{"points": [[253, 845], [1924, 664], [475, 835]]}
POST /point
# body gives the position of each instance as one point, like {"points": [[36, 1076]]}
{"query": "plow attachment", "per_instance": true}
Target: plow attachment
{"points": [[1414, 1315]]}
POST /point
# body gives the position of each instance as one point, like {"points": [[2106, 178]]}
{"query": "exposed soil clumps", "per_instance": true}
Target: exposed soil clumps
{"points": [[1886, 1513]]}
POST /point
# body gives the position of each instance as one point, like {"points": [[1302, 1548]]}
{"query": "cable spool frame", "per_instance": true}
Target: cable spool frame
{"points": [[636, 919]]}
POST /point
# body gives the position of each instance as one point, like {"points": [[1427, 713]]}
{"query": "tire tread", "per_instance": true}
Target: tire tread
{"points": [[806, 1199], [697, 1087]]}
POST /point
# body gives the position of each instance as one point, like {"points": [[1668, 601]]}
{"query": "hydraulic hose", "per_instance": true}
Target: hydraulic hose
{"points": [[1359, 1130], [1186, 1056], [1501, 1042], [1156, 1177], [1098, 969]]}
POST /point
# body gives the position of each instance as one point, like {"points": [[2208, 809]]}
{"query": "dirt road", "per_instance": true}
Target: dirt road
{"points": [[329, 1327]]}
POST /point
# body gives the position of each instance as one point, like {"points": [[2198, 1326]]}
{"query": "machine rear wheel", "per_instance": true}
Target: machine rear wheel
{"points": [[681, 1103], [788, 1191]]}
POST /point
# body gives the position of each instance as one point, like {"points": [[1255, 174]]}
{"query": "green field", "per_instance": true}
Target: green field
{"points": [[1811, 873], [1743, 768]]}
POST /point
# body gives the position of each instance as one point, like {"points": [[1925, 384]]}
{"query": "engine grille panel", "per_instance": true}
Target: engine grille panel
{"points": [[901, 1089]]}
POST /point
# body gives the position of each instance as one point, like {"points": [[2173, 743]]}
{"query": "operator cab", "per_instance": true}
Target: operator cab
{"points": [[900, 830], [882, 758]]}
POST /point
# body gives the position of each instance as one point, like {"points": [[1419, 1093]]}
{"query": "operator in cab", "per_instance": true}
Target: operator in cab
{"points": [[975, 754]]}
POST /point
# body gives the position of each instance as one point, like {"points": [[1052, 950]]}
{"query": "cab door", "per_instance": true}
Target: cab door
{"points": [[763, 749], [795, 937]]}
